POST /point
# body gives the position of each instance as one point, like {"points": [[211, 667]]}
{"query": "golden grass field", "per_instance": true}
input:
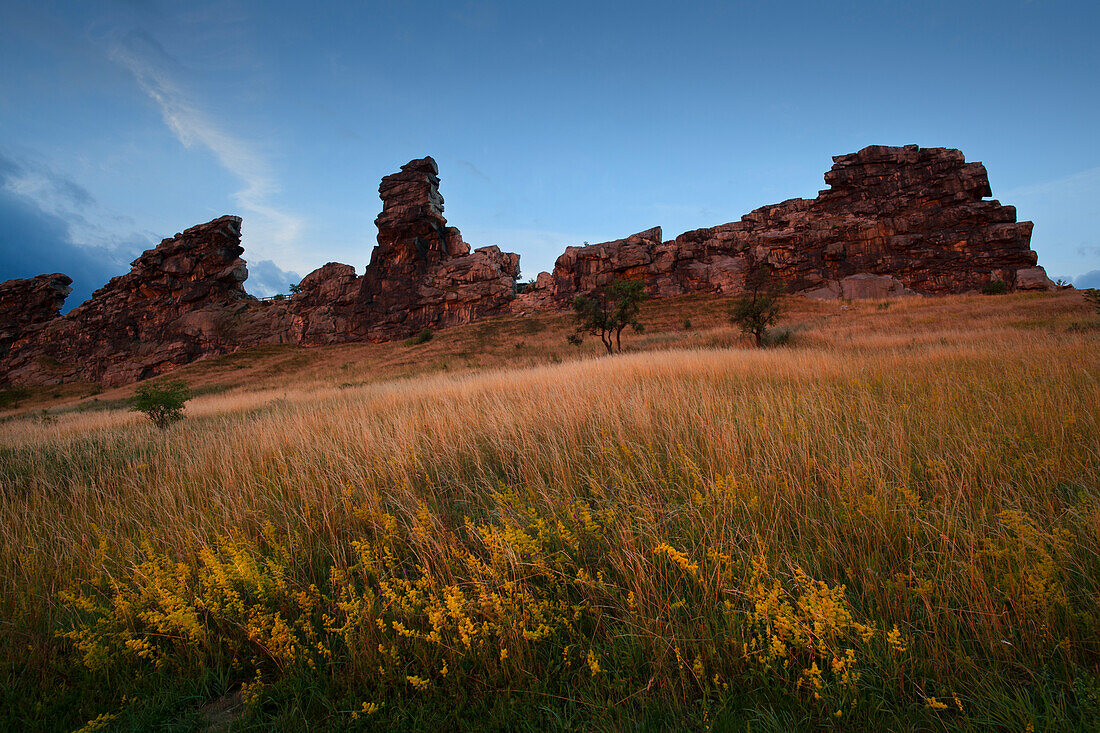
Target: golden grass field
{"points": [[892, 523]]}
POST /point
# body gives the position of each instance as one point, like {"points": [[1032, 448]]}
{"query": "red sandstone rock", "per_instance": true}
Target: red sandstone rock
{"points": [[176, 304], [895, 221], [862, 286], [1033, 278], [912, 214], [27, 304], [422, 274]]}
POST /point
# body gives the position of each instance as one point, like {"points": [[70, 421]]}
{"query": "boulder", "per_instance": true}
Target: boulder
{"points": [[1033, 278], [861, 286]]}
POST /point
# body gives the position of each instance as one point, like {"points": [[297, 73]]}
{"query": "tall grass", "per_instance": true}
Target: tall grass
{"points": [[894, 526]]}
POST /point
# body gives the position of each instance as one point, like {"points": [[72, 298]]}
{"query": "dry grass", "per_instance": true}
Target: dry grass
{"points": [[935, 463]]}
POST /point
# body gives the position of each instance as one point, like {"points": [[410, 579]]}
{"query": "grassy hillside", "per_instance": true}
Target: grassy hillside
{"points": [[894, 522]]}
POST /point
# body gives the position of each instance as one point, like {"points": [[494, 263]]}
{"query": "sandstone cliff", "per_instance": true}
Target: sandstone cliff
{"points": [[896, 221], [914, 217], [28, 304], [422, 273], [176, 304]]}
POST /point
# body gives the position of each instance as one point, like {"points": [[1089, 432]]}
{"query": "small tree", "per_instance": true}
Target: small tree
{"points": [[608, 311], [162, 404], [758, 308], [295, 288]]}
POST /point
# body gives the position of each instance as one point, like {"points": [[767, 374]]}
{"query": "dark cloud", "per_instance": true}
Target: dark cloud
{"points": [[35, 242], [1088, 280], [265, 279]]}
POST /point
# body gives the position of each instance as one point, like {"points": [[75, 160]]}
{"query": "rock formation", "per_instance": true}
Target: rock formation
{"points": [[175, 305], [894, 222], [184, 299], [915, 215], [422, 273], [27, 304]]}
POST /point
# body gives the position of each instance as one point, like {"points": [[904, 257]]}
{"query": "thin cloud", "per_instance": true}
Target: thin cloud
{"points": [[474, 169], [42, 183], [154, 71], [1082, 182]]}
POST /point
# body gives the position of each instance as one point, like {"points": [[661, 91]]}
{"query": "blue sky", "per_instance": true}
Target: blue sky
{"points": [[553, 123]]}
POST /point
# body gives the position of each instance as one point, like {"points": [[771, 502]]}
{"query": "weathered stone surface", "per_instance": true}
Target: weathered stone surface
{"points": [[176, 304], [1033, 278], [909, 213], [184, 299], [894, 222], [422, 274], [27, 304]]}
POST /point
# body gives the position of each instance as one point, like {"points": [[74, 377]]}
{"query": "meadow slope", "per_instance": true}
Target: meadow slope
{"points": [[894, 522]]}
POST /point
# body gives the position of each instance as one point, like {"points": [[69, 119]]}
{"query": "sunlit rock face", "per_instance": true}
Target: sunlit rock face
{"points": [[915, 215], [422, 274], [178, 302], [27, 304], [896, 221]]}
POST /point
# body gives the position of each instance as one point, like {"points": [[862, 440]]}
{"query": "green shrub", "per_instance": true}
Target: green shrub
{"points": [[161, 403], [607, 312], [994, 287], [758, 308]]}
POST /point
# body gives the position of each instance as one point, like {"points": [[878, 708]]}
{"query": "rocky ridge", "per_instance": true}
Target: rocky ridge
{"points": [[913, 217], [175, 305], [896, 221]]}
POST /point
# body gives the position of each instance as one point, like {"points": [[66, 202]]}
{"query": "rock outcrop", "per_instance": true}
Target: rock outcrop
{"points": [[894, 222], [176, 304], [27, 304], [422, 274], [915, 215]]}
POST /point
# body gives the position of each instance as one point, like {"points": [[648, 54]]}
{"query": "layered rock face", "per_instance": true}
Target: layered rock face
{"points": [[915, 215], [422, 273], [176, 304], [896, 221], [185, 298], [27, 304]]}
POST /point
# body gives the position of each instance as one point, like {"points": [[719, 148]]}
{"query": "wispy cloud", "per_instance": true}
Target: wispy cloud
{"points": [[42, 183], [1085, 182], [274, 229], [474, 169]]}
